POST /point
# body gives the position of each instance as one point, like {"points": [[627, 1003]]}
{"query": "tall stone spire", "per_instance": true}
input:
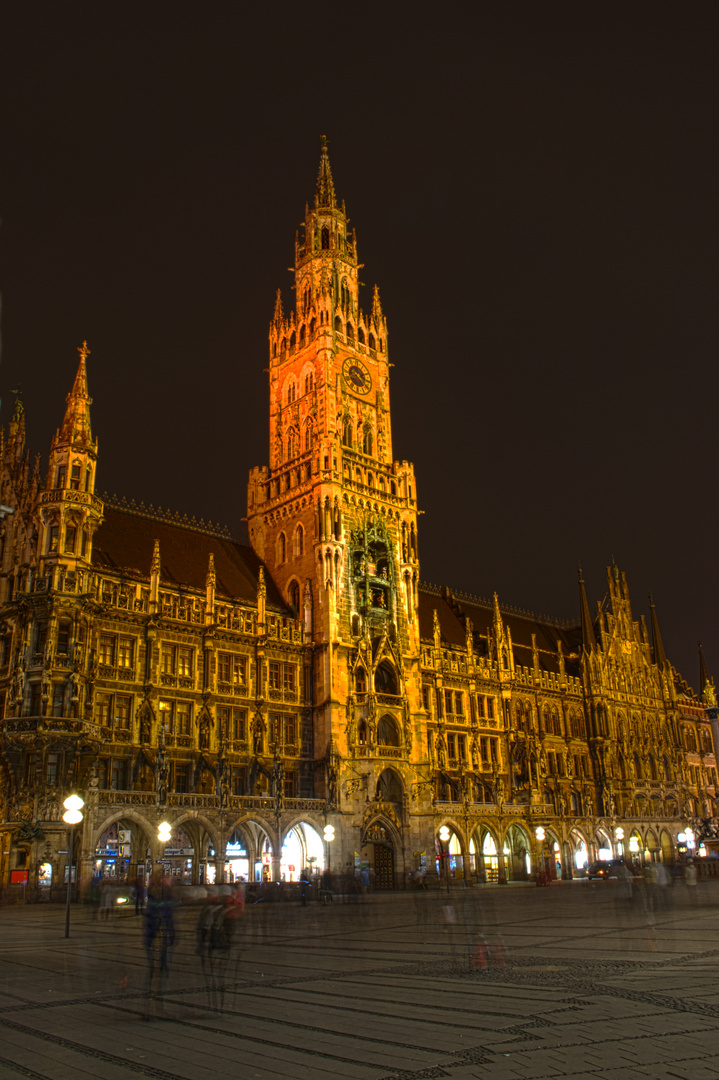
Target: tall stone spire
{"points": [[75, 430], [660, 657], [588, 639], [325, 191]]}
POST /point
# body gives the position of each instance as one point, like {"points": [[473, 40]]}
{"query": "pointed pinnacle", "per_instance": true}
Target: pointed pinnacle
{"points": [[325, 190]]}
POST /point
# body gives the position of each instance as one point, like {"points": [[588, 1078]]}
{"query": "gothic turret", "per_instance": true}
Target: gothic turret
{"points": [[69, 510]]}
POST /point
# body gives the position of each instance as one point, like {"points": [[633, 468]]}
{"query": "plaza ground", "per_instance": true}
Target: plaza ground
{"points": [[576, 985]]}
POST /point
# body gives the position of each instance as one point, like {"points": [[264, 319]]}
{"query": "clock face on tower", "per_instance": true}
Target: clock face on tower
{"points": [[357, 376]]}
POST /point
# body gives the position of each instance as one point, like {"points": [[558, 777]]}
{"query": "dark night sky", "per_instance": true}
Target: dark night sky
{"points": [[534, 188]]}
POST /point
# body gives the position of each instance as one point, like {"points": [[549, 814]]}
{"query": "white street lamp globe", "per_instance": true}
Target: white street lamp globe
{"points": [[444, 834], [74, 802], [539, 832], [72, 817]]}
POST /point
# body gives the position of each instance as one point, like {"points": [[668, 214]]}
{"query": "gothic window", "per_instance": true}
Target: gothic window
{"points": [[291, 391], [344, 298], [308, 435], [371, 341], [370, 480], [293, 595], [325, 238], [387, 732], [293, 342], [358, 475], [638, 767], [75, 477], [292, 447], [88, 478], [309, 383], [555, 721], [367, 442], [385, 679], [338, 324], [361, 680], [281, 548], [303, 335], [389, 787], [299, 541], [379, 342], [350, 331], [70, 539], [360, 336], [53, 538], [362, 733], [347, 432], [313, 326], [60, 476]]}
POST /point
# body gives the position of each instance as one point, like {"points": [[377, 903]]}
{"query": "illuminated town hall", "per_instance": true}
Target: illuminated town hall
{"points": [[253, 696]]}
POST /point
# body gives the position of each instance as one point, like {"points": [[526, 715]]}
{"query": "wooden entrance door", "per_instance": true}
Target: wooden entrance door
{"points": [[383, 866]]}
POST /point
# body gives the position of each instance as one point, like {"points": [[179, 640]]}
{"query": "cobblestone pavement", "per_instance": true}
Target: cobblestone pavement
{"points": [[574, 986]]}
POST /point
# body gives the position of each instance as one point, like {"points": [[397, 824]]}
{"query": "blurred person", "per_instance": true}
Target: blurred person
{"points": [[158, 936], [690, 880], [139, 894]]}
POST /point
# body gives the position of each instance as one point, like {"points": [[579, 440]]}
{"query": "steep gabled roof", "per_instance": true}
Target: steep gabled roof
{"points": [[125, 542]]}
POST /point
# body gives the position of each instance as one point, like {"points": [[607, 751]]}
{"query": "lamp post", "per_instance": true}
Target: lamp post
{"points": [[444, 839], [73, 816], [164, 832], [329, 835]]}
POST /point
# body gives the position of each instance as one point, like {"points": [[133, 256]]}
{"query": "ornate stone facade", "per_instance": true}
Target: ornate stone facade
{"points": [[164, 671]]}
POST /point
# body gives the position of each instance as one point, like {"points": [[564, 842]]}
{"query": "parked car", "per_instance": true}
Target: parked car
{"points": [[604, 870]]}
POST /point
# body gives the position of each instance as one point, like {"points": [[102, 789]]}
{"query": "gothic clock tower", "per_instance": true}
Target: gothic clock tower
{"points": [[333, 517]]}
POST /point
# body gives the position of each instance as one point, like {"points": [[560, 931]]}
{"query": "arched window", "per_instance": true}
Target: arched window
{"points": [[325, 238], [299, 541], [371, 341], [385, 679], [309, 382], [367, 441], [370, 480], [362, 733], [389, 787], [338, 324], [308, 435], [313, 326], [347, 433], [293, 341], [350, 331], [388, 732], [360, 335], [638, 767], [293, 595], [290, 391], [281, 548], [292, 447], [303, 334]]}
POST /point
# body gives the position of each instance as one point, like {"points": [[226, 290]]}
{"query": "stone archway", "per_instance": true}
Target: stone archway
{"points": [[517, 849], [667, 847], [379, 852], [487, 847]]}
